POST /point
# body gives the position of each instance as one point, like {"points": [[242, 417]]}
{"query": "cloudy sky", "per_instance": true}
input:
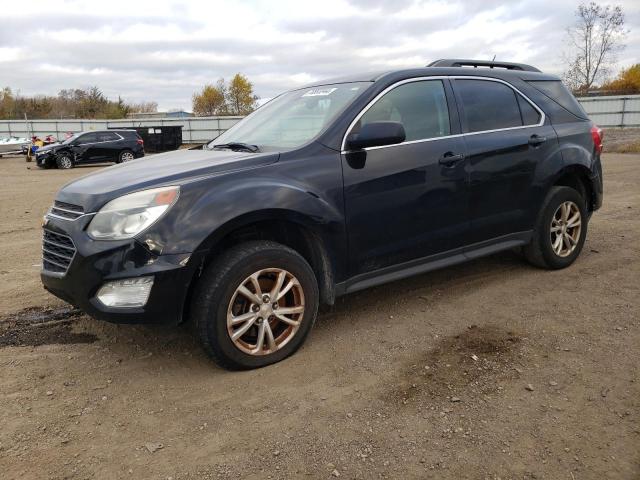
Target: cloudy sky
{"points": [[165, 50]]}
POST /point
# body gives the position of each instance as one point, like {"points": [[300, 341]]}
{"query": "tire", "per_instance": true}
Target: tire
{"points": [[64, 161], [217, 301], [125, 156], [545, 250]]}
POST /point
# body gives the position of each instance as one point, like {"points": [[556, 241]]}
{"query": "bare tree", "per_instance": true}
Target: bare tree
{"points": [[595, 38]]}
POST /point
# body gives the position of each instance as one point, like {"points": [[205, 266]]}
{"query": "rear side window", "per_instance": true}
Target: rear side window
{"points": [[420, 106], [556, 91], [488, 105], [107, 137]]}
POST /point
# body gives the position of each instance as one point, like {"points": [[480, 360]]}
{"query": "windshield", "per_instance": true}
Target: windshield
{"points": [[292, 119]]}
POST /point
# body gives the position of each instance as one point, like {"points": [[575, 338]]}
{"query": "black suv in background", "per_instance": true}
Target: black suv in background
{"points": [[326, 190], [92, 147]]}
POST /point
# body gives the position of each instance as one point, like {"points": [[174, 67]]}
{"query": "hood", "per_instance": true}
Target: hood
{"points": [[50, 147], [172, 168]]}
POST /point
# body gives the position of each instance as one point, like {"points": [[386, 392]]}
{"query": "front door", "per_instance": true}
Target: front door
{"points": [[85, 149], [407, 201]]}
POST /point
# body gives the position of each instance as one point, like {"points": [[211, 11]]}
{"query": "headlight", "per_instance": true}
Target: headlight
{"points": [[127, 216]]}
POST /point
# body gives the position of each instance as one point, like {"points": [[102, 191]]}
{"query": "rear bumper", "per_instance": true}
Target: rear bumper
{"points": [[97, 262]]}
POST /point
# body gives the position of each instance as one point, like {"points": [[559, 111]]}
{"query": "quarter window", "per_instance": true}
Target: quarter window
{"points": [[420, 106], [489, 105]]}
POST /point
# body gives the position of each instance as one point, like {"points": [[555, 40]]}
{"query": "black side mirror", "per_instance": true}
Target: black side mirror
{"points": [[376, 134]]}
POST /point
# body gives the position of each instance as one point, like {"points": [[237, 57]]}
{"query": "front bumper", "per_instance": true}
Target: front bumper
{"points": [[46, 158], [97, 262]]}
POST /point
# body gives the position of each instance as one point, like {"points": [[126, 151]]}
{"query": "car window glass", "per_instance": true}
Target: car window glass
{"points": [[556, 91], [530, 115], [421, 107], [488, 105], [107, 137], [87, 138]]}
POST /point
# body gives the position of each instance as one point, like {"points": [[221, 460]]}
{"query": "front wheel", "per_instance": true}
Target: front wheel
{"points": [[255, 305], [560, 231], [64, 161]]}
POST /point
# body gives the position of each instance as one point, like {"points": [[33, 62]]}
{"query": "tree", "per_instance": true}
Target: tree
{"points": [[144, 107], [210, 101], [69, 103], [7, 103], [240, 97], [628, 80], [595, 39]]}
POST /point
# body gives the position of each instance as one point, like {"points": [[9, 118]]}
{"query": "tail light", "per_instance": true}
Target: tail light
{"points": [[597, 134], [140, 141]]}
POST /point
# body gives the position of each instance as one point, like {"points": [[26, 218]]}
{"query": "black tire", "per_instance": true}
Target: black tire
{"points": [[216, 289], [540, 251], [125, 156], [64, 160]]}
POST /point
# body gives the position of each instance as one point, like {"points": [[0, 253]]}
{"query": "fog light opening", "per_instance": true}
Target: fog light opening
{"points": [[127, 293]]}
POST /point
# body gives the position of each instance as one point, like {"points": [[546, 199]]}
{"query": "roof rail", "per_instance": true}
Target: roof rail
{"points": [[456, 62]]}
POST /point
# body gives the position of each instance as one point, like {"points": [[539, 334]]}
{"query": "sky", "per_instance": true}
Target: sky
{"points": [[164, 51]]}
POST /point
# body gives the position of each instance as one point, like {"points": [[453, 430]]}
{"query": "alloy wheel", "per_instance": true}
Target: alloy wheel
{"points": [[566, 226], [65, 162], [126, 156], [265, 311]]}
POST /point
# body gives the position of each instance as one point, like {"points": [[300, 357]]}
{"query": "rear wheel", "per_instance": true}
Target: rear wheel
{"points": [[255, 305], [64, 161], [125, 156], [560, 231]]}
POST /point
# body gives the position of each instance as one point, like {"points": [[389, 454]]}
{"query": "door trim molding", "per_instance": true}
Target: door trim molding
{"points": [[433, 262]]}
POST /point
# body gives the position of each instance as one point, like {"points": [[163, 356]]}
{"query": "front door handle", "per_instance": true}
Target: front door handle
{"points": [[449, 159], [536, 140]]}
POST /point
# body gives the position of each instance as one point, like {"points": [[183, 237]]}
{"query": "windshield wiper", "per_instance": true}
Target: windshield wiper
{"points": [[238, 146]]}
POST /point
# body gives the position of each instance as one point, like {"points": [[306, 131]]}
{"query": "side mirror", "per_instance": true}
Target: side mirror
{"points": [[376, 134]]}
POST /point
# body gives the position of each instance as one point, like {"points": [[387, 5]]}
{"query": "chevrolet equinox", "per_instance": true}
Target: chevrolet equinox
{"points": [[326, 190]]}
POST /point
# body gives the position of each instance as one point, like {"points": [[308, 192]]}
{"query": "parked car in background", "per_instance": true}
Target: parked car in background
{"points": [[92, 147], [326, 190]]}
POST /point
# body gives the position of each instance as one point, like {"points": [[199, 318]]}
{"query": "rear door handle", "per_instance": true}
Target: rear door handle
{"points": [[535, 140], [449, 159]]}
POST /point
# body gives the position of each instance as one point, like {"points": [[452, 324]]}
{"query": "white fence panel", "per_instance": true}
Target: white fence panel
{"points": [[613, 111]]}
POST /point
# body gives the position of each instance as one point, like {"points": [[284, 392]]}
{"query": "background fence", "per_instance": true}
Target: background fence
{"points": [[612, 111], [194, 130]]}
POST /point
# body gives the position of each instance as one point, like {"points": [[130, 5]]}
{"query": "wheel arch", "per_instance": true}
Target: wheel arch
{"points": [[578, 177], [290, 228]]}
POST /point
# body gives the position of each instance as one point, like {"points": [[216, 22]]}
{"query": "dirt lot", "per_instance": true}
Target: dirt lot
{"points": [[492, 369]]}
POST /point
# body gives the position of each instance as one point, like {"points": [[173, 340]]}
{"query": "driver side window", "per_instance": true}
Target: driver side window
{"points": [[420, 106]]}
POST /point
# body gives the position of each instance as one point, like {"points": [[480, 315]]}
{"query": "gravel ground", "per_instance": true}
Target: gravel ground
{"points": [[492, 369]]}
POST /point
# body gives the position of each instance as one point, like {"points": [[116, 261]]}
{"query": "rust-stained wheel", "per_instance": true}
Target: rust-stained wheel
{"points": [[255, 304]]}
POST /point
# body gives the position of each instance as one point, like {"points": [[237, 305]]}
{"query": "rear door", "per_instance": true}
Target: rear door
{"points": [[407, 201], [109, 145], [505, 137]]}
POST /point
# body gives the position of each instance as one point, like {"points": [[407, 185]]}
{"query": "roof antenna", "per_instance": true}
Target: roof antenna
{"points": [[493, 59]]}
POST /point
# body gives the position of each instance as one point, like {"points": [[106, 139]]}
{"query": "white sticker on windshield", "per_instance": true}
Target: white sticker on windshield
{"points": [[319, 92]]}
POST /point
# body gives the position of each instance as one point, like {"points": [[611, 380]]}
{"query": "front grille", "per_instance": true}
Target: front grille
{"points": [[57, 252], [66, 210]]}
